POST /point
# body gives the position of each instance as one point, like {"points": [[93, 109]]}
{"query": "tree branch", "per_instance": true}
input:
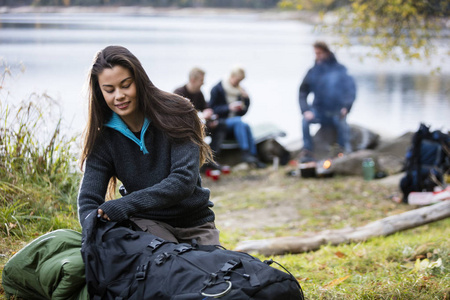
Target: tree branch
{"points": [[383, 227]]}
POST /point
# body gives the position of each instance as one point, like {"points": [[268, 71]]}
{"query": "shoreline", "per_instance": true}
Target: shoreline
{"points": [[266, 14]]}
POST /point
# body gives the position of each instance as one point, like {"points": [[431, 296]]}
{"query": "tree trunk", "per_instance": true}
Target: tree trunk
{"points": [[383, 227]]}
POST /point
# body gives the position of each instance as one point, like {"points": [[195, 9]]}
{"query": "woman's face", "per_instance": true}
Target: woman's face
{"points": [[236, 79], [119, 90]]}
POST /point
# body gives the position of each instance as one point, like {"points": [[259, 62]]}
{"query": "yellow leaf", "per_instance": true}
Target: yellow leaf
{"points": [[435, 264], [321, 15], [340, 254], [421, 265], [335, 282]]}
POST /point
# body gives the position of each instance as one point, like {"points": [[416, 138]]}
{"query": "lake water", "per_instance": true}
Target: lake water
{"points": [[57, 50]]}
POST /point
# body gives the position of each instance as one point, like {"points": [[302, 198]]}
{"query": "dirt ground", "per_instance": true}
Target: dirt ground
{"points": [[260, 199]]}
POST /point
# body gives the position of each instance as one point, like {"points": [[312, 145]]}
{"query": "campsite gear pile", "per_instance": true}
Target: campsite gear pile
{"points": [[123, 262], [314, 169], [427, 162]]}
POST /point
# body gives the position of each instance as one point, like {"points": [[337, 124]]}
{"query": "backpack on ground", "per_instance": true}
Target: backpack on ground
{"points": [[123, 262], [427, 161]]}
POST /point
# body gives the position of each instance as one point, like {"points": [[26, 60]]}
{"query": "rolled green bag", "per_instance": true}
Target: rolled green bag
{"points": [[49, 267]]}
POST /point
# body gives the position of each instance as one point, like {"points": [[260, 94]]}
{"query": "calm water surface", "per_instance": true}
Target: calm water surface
{"points": [[57, 50]]}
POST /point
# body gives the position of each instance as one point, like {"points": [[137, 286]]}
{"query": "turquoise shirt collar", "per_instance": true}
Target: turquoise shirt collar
{"points": [[116, 123]]}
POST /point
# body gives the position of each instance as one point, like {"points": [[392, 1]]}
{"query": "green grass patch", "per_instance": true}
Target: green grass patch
{"points": [[413, 264], [38, 175]]}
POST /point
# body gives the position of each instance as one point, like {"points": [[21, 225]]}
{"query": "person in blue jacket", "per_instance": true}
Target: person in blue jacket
{"points": [[334, 93], [230, 102], [153, 142]]}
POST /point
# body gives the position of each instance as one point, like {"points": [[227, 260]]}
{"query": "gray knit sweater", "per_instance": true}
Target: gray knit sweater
{"points": [[162, 185]]}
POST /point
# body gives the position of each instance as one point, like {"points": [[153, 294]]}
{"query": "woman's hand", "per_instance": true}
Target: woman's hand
{"points": [[102, 214]]}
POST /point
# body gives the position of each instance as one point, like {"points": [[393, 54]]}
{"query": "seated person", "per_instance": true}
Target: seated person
{"points": [[192, 91], [334, 93], [230, 102]]}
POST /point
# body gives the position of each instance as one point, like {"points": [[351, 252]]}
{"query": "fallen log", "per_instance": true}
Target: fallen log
{"points": [[383, 227]]}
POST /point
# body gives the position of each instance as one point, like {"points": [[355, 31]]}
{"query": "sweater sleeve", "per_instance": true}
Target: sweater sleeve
{"points": [[176, 187], [98, 172]]}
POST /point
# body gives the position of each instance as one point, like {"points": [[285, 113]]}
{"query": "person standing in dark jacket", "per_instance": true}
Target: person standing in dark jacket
{"points": [[230, 102], [153, 142], [334, 93]]}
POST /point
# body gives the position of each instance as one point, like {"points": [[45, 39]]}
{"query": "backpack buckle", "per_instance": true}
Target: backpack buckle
{"points": [[182, 248], [155, 243], [211, 280], [160, 259], [141, 272], [229, 265]]}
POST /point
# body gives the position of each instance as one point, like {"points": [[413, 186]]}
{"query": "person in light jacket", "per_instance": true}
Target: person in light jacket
{"points": [[230, 102]]}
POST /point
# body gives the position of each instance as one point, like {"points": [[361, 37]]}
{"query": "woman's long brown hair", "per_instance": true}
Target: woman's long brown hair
{"points": [[173, 114]]}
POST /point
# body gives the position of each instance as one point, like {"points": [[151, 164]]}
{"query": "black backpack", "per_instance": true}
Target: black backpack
{"points": [[125, 263], [427, 161]]}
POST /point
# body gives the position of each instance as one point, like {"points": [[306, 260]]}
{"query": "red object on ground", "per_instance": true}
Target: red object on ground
{"points": [[215, 175], [424, 198], [226, 170]]}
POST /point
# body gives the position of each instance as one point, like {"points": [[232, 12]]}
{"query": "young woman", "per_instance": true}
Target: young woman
{"points": [[150, 140]]}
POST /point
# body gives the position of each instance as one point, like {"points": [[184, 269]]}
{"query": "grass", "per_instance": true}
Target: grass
{"points": [[37, 169], [38, 178], [38, 188], [413, 264]]}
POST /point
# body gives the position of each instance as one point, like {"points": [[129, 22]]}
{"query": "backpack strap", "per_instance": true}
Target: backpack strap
{"points": [[271, 261], [141, 274], [416, 153], [250, 271]]}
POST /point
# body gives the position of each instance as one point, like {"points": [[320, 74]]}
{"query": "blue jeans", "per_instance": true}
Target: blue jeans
{"points": [[335, 120], [242, 133]]}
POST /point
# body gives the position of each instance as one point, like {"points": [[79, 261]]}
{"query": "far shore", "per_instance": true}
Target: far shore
{"points": [[267, 14]]}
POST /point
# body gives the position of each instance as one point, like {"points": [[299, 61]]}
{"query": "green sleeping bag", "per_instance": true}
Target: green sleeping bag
{"points": [[50, 267]]}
